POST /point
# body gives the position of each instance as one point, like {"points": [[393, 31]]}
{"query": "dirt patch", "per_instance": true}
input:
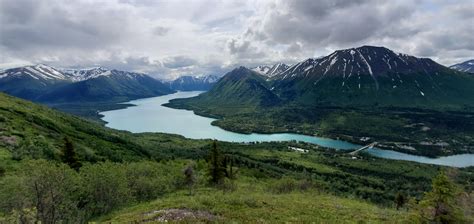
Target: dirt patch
{"points": [[9, 140], [177, 215]]}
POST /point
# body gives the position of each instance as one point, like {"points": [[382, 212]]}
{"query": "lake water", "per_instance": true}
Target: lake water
{"points": [[150, 116]]}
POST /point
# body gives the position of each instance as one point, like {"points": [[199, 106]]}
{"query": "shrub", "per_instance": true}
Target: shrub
{"points": [[48, 189], [148, 180], [104, 187]]}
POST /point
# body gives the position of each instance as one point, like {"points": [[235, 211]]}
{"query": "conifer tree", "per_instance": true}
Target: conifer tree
{"points": [[439, 205], [69, 155], [400, 200], [216, 165]]}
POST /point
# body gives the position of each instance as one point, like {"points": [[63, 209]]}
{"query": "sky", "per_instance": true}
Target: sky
{"points": [[170, 38]]}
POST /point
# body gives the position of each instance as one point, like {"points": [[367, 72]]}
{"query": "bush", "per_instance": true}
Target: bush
{"points": [[148, 180], [50, 190], [104, 187]]}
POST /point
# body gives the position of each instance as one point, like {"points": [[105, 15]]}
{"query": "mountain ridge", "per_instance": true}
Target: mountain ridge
{"points": [[364, 76], [370, 75], [193, 83], [271, 71], [47, 84], [467, 66]]}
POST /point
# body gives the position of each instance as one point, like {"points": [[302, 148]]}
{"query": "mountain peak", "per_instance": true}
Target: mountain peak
{"points": [[366, 60], [467, 66], [272, 70]]}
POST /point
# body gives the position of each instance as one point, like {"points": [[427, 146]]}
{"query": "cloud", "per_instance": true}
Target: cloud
{"points": [[178, 62], [161, 31], [308, 28], [172, 38]]}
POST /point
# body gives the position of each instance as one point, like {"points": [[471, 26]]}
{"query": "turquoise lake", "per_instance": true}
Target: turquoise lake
{"points": [[150, 116]]}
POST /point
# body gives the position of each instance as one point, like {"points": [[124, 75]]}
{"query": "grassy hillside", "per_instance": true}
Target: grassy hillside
{"points": [[33, 131], [252, 203], [127, 177]]}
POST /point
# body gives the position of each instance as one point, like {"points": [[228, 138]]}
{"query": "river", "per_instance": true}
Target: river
{"points": [[150, 116]]}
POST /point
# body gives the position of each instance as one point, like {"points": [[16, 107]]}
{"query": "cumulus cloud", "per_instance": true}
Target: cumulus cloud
{"points": [[182, 37], [309, 28]]}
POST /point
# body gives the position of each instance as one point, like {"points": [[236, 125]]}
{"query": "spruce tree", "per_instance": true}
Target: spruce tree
{"points": [[400, 200], [216, 165], [439, 205], [69, 155]]}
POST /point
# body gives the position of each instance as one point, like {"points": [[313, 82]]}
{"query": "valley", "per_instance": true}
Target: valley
{"points": [[272, 148], [236, 111], [412, 105], [189, 125], [270, 173]]}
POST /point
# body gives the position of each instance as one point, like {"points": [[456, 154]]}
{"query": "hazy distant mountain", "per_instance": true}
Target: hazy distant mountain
{"points": [[467, 66], [363, 76], [271, 71], [47, 84], [193, 83]]}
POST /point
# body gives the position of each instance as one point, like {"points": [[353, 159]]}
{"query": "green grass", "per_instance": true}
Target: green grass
{"points": [[312, 161], [253, 203]]}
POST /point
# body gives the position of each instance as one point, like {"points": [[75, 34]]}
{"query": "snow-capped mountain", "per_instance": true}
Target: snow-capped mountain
{"points": [[110, 85], [364, 76], [47, 84], [271, 71], [366, 60], [87, 73], [261, 69], [277, 69], [193, 83], [31, 81], [38, 72], [371, 75], [467, 66]]}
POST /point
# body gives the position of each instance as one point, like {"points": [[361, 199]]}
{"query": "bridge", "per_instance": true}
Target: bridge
{"points": [[371, 145]]}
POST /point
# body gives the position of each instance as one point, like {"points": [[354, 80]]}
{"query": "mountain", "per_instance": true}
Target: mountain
{"points": [[31, 81], [364, 76], [110, 85], [241, 86], [467, 66], [261, 69], [373, 76], [271, 71], [85, 74], [50, 85], [193, 83]]}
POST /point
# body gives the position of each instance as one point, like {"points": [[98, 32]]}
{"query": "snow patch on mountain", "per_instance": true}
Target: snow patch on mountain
{"points": [[271, 71], [467, 66]]}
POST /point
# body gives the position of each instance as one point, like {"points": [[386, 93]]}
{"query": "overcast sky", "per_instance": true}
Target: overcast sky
{"points": [[168, 38]]}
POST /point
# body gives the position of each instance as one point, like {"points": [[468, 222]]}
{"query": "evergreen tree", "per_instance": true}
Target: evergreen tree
{"points": [[400, 200], [69, 155], [439, 205], [216, 165]]}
